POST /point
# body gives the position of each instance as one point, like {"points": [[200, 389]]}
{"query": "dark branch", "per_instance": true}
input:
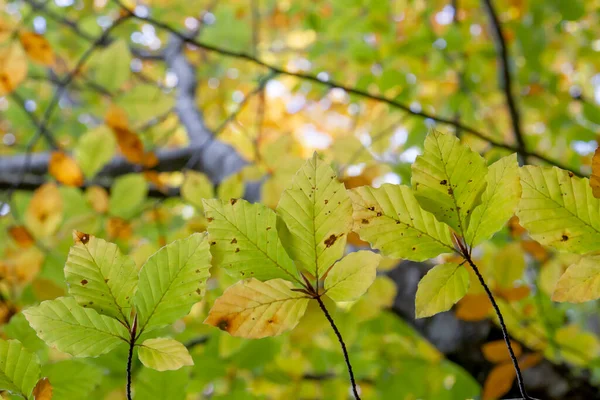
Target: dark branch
{"points": [[505, 79]]}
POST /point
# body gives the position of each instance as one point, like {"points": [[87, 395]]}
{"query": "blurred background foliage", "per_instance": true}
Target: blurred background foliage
{"points": [[105, 117]]}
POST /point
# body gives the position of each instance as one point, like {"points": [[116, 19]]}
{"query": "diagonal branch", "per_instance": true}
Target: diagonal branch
{"points": [[505, 79]]}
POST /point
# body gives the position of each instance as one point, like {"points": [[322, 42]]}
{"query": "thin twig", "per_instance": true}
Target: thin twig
{"points": [[341, 340], [505, 78], [513, 357], [132, 339]]}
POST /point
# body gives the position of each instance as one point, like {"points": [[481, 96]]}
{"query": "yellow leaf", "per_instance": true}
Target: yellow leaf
{"points": [[42, 390], [350, 277], [37, 48], [13, 67], [595, 177], [580, 282], [44, 213], [21, 236], [163, 354], [497, 352], [473, 307], [196, 186], [254, 309], [65, 170], [98, 198], [499, 381], [6, 28], [116, 118]]}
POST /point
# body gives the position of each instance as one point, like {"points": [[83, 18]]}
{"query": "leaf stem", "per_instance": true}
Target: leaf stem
{"points": [[513, 357], [341, 340], [132, 340]]}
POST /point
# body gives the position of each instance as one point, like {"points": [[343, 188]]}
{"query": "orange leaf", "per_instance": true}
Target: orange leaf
{"points": [[473, 307], [13, 67], [37, 48], [513, 294], [499, 381], [42, 390], [44, 213], [535, 249], [595, 177], [530, 360], [497, 352], [355, 240], [116, 118], [65, 170], [118, 228], [130, 145], [21, 236], [514, 227]]}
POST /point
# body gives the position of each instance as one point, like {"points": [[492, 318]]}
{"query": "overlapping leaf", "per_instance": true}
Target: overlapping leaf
{"points": [[498, 202], [19, 368], [391, 219], [316, 215], [350, 277], [171, 281], [100, 277], [244, 240], [73, 329], [580, 282], [559, 209], [448, 180], [255, 309], [441, 288], [163, 354]]}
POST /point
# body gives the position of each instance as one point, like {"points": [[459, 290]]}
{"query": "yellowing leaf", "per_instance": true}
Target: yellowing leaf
{"points": [[448, 180], [231, 188], [44, 213], [116, 118], [37, 48], [443, 286], [13, 67], [390, 218], [499, 381], [244, 240], [196, 186], [42, 390], [113, 65], [164, 354], [350, 277], [118, 228], [316, 215], [580, 282], [559, 210], [497, 352], [64, 169], [574, 346], [98, 198], [595, 177], [498, 202], [254, 309]]}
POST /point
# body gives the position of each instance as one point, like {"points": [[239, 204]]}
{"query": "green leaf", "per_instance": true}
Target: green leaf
{"points": [[94, 150], [155, 385], [76, 330], [350, 277], [163, 354], [390, 218], [442, 287], [580, 282], [254, 309], [172, 281], [448, 180], [231, 188], [196, 187], [72, 379], [244, 240], [19, 368], [144, 102], [127, 195], [559, 210], [113, 66], [102, 278], [316, 214], [499, 201]]}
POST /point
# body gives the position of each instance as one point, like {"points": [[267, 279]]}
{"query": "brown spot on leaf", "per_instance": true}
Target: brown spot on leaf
{"points": [[213, 243], [450, 191], [199, 292], [210, 219], [223, 324], [237, 250], [268, 227], [330, 240], [233, 241], [371, 208], [443, 182], [84, 282], [379, 214], [233, 201], [365, 221], [571, 174], [81, 237], [564, 238]]}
